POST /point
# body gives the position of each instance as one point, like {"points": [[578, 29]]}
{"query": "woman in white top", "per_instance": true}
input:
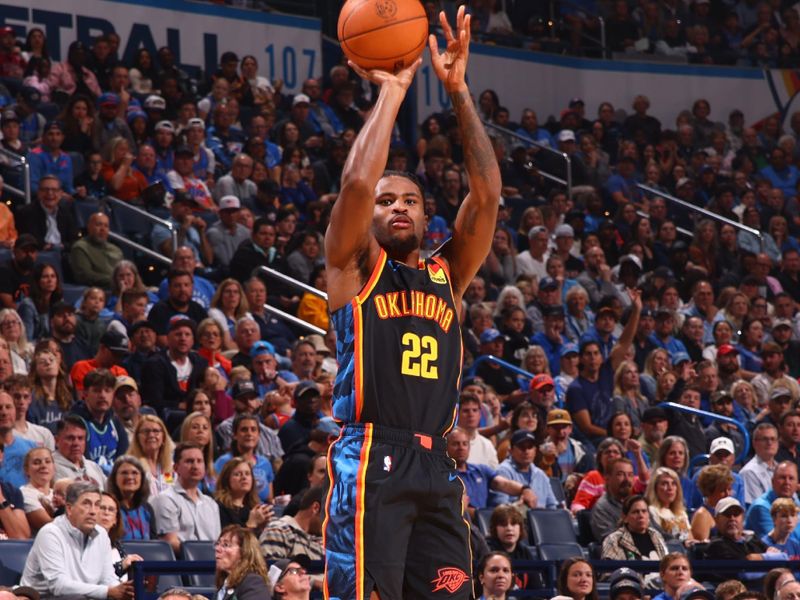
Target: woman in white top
{"points": [[152, 445], [12, 330], [665, 499], [108, 517], [228, 305], [40, 470]]}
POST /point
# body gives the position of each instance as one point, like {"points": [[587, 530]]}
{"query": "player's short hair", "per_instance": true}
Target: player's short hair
{"points": [[410, 176]]}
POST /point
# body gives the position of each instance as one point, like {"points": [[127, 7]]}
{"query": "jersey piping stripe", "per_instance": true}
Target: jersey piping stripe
{"points": [[442, 263], [360, 508], [358, 358], [469, 536], [373, 278], [331, 485]]}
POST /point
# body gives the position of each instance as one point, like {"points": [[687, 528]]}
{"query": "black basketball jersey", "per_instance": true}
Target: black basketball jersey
{"points": [[399, 349]]}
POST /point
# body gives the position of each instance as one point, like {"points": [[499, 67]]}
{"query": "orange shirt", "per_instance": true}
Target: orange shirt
{"points": [[132, 186], [81, 368]]}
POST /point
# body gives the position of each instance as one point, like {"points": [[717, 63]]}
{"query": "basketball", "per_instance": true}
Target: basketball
{"points": [[383, 34]]}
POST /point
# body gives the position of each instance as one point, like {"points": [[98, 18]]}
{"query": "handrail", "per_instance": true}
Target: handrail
{"points": [[680, 230], [715, 417], [703, 211], [489, 358], [530, 142], [143, 249], [295, 282], [296, 320], [600, 19], [21, 160], [140, 211]]}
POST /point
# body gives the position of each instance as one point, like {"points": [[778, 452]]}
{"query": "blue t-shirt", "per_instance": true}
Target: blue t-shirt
{"points": [[136, 523], [11, 470], [477, 479], [202, 291], [262, 472], [791, 547], [594, 396]]}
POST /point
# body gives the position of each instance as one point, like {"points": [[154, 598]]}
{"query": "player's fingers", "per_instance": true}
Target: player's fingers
{"points": [[433, 44], [448, 32]]}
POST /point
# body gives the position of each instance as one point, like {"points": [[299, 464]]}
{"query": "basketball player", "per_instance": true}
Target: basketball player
{"points": [[394, 526]]}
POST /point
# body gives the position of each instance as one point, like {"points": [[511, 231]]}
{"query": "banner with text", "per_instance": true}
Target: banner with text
{"points": [[286, 47]]}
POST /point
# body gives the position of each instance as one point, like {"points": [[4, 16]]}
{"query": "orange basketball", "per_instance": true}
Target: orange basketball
{"points": [[383, 34]]}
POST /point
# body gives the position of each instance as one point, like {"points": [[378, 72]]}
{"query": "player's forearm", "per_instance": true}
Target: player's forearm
{"points": [[367, 159], [480, 161]]}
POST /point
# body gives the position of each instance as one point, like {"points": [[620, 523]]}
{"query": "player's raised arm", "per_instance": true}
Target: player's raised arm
{"points": [[351, 218], [475, 223]]}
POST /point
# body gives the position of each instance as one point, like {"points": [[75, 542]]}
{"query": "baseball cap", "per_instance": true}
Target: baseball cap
{"points": [[115, 341], [135, 114], [698, 593], [781, 323], [306, 388], [10, 115], [318, 342], [490, 335], [536, 229], [554, 310], [541, 380], [140, 325], [726, 504], [181, 320], [108, 98], [721, 443], [196, 122], [575, 101], [31, 95], [54, 124], [183, 197], [184, 150], [243, 388], [682, 182], [166, 126], [726, 349], [6, 30], [780, 392], [229, 203], [60, 307], [278, 569], [155, 102], [558, 416], [568, 349], [301, 99], [680, 357], [125, 381], [261, 347], [604, 310], [623, 573], [566, 135], [631, 258], [26, 240], [548, 283], [565, 230], [521, 436], [625, 585], [654, 413]]}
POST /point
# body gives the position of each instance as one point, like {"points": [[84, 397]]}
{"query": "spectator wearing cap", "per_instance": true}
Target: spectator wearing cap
{"points": [[784, 485], [127, 404], [757, 473], [266, 374], [774, 374], [183, 179], [113, 348], [728, 369], [605, 323], [224, 139], [32, 122], [568, 455], [663, 334], [542, 395], [227, 234], [481, 449], [654, 429], [106, 435], [16, 273], [782, 332], [246, 401], [204, 162], [299, 115], [244, 444], [492, 344], [107, 123], [552, 338], [182, 511], [12, 63], [621, 186], [50, 159], [532, 261], [63, 327], [289, 578], [164, 145], [519, 468], [625, 584], [300, 534], [568, 370], [180, 287], [176, 371], [93, 258], [721, 452], [732, 543], [565, 250], [547, 295], [143, 338], [721, 403], [11, 128], [297, 429]]}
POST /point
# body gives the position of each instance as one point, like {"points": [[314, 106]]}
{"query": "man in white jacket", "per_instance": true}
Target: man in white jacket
{"points": [[71, 557]]}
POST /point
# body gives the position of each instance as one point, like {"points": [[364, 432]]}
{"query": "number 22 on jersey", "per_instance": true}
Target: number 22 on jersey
{"points": [[419, 356]]}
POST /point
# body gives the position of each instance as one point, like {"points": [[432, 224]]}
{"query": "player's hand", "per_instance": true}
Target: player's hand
{"points": [[402, 78], [451, 65]]}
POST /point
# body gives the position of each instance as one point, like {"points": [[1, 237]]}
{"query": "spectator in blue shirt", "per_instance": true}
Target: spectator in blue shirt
{"points": [[14, 447], [552, 338], [529, 129], [784, 485], [49, 159], [519, 467], [480, 479], [784, 517], [781, 175]]}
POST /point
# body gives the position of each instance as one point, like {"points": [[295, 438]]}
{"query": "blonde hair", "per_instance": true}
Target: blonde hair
{"points": [[208, 450], [164, 459], [242, 309], [677, 506], [250, 558], [779, 506]]}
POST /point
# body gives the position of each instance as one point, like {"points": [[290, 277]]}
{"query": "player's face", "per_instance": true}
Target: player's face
{"points": [[399, 218]]}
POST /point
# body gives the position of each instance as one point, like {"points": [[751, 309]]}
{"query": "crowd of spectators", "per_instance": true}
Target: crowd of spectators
{"points": [[177, 408]]}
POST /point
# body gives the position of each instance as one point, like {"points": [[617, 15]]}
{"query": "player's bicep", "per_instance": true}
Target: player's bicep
{"points": [[351, 219], [473, 231]]}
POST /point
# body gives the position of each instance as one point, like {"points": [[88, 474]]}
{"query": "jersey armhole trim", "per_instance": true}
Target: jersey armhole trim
{"points": [[373, 279]]}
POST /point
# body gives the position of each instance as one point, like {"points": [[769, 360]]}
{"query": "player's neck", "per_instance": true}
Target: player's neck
{"points": [[410, 260]]}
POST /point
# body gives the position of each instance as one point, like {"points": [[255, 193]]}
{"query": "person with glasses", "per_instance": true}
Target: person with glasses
{"points": [[152, 445], [758, 471], [110, 519], [241, 570], [289, 578], [50, 223]]}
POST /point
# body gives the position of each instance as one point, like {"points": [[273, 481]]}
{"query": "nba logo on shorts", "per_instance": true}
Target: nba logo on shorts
{"points": [[387, 464]]}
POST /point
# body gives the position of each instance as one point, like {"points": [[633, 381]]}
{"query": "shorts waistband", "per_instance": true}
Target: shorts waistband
{"points": [[399, 437]]}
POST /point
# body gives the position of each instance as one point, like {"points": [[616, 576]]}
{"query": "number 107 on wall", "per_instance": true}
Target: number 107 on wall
{"points": [[285, 64]]}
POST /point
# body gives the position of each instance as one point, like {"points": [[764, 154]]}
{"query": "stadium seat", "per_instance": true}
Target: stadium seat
{"points": [[13, 554], [52, 258], [558, 491], [196, 550], [547, 526], [155, 550], [483, 517], [559, 551], [72, 293], [585, 535], [676, 546], [83, 210]]}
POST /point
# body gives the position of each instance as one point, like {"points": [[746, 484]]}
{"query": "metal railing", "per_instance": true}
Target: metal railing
{"points": [[25, 192], [269, 271], [680, 230], [493, 359], [709, 415], [529, 142], [703, 211], [294, 282], [139, 248], [295, 320], [554, 18], [121, 204]]}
